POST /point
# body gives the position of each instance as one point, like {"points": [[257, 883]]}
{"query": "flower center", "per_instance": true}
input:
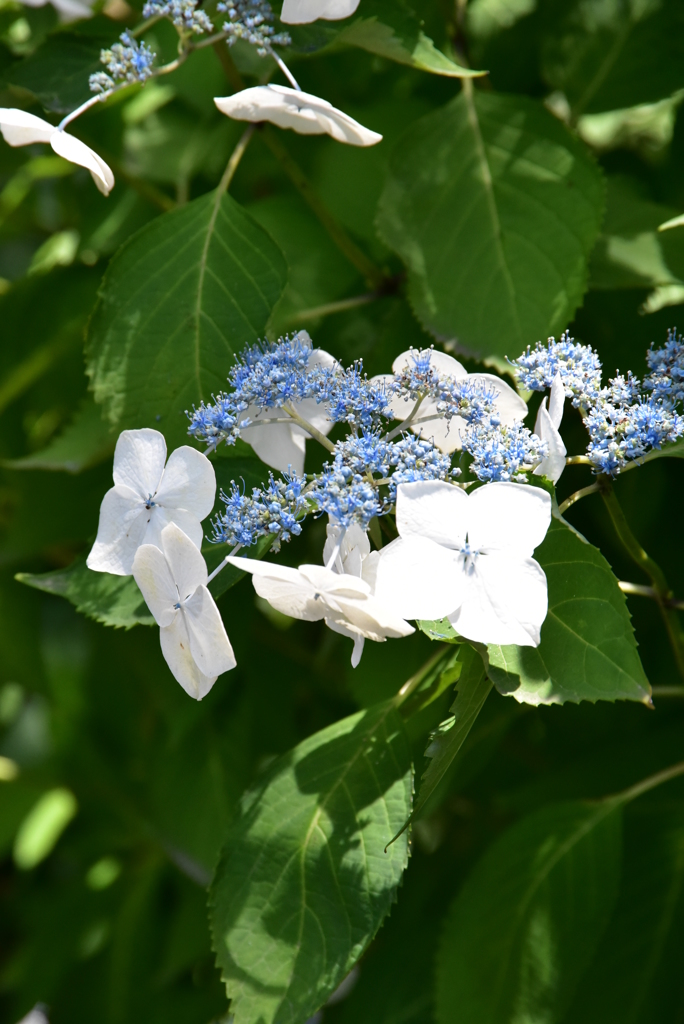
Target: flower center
{"points": [[469, 558], [150, 503]]}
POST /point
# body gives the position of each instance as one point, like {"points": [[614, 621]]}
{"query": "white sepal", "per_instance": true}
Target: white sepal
{"points": [[302, 12], [300, 111]]}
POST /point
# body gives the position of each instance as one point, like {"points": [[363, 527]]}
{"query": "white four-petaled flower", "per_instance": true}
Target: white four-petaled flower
{"points": [[291, 108], [282, 445], [301, 12], [468, 558], [546, 427], [19, 128], [173, 581], [146, 497], [313, 592], [429, 423]]}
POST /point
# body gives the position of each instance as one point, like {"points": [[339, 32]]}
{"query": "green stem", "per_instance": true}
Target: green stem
{"points": [[663, 593], [577, 496], [332, 307], [316, 434], [235, 158], [414, 682], [667, 691]]}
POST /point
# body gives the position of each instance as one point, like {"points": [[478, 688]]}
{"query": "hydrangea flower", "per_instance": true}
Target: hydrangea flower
{"points": [[300, 111], [173, 581], [250, 20], [147, 496], [666, 378], [301, 12], [348, 551], [68, 10], [313, 592], [548, 421], [468, 558], [125, 61], [19, 128], [579, 367], [273, 511], [452, 398], [184, 14]]}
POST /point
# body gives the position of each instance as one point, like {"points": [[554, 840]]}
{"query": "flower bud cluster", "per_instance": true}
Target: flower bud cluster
{"points": [[126, 61], [273, 511], [251, 20], [502, 452], [579, 367], [622, 429], [183, 13], [667, 369]]}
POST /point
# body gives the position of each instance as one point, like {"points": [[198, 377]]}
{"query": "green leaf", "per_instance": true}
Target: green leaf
{"points": [[616, 55], [644, 932], [86, 441], [111, 600], [494, 208], [390, 29], [303, 884], [439, 629], [525, 926], [57, 72], [472, 691], [178, 300], [587, 649]]}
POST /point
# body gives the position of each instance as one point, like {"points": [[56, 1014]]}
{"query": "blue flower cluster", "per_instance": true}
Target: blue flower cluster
{"points": [[471, 399], [579, 367], [626, 419], [281, 375], [183, 13], [273, 511], [503, 452], [666, 364], [251, 20], [126, 61]]}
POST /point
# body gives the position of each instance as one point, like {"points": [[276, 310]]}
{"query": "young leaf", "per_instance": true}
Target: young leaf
{"points": [[524, 927], [303, 884], [472, 691], [178, 300], [494, 208], [587, 650], [111, 600]]}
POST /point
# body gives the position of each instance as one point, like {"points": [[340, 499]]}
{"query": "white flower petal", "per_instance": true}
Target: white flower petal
{"points": [[70, 10], [20, 128], [418, 579], [121, 530], [209, 641], [510, 517], [159, 518], [372, 618], [334, 585], [506, 602], [281, 446], [557, 400], [442, 362], [186, 563], [354, 549], [188, 482], [509, 405], [289, 108], [554, 463], [175, 645], [76, 152], [153, 575], [283, 588], [301, 12], [139, 459], [433, 509]]}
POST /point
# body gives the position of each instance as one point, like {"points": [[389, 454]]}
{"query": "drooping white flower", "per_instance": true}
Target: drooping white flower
{"points": [[282, 446], [290, 108], [468, 558], [548, 421], [301, 12], [447, 434], [146, 497], [173, 581], [68, 10], [313, 592], [349, 550], [20, 128]]}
